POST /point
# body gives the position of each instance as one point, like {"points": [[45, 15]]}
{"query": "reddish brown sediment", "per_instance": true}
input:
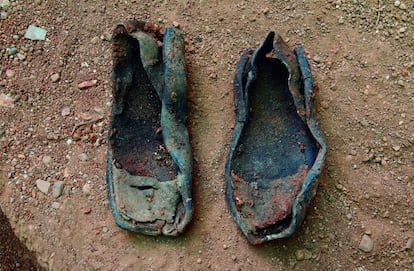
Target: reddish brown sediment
{"points": [[264, 208]]}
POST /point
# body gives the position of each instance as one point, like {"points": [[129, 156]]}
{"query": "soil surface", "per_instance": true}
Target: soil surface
{"points": [[13, 254], [53, 134]]}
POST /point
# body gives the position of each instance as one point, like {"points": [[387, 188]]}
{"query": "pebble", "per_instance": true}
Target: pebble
{"points": [[199, 261], [366, 244], [317, 59], [364, 122], [87, 84], [396, 148], [107, 37], [3, 15], [410, 243], [303, 254], [86, 189], [58, 189], [35, 33], [43, 186], [83, 157], [176, 24], [341, 20], [4, 4], [47, 160], [401, 83], [6, 100], [38, 2], [10, 73], [11, 51], [397, 3], [402, 29], [55, 77], [55, 205], [105, 229], [21, 57], [65, 111], [95, 40], [403, 6]]}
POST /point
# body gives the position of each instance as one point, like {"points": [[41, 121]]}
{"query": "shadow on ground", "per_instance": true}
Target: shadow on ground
{"points": [[14, 255]]}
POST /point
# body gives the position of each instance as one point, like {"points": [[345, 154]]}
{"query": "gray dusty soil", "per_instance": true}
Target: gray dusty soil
{"points": [[53, 133]]}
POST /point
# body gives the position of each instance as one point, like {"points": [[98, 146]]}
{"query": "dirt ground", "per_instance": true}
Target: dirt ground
{"points": [[52, 132]]}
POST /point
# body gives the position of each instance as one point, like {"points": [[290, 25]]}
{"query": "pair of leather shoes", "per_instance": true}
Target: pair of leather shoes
{"points": [[274, 158]]}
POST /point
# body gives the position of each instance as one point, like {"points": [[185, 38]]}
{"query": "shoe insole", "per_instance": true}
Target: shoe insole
{"points": [[136, 139], [275, 150]]}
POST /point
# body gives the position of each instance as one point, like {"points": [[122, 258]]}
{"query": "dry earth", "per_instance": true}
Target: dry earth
{"points": [[361, 53]]}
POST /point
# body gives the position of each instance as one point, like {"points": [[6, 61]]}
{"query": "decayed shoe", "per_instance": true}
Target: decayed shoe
{"points": [[149, 159], [277, 149]]}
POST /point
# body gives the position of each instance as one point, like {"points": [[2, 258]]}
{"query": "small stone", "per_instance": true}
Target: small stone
{"points": [[403, 6], [83, 157], [402, 29], [266, 11], [208, 29], [65, 111], [84, 65], [409, 244], [366, 244], [199, 261], [99, 110], [43, 186], [303, 254], [10, 73], [105, 229], [38, 2], [55, 77], [35, 33], [340, 187], [317, 59], [21, 57], [341, 20], [95, 40], [108, 37], [396, 148], [3, 15], [6, 101], [397, 3], [176, 24], [4, 4], [57, 189], [364, 122], [12, 200], [55, 205], [87, 84], [86, 189], [11, 51], [233, 257], [47, 160]]}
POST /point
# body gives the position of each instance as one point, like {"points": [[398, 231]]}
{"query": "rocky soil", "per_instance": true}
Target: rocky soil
{"points": [[55, 98]]}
